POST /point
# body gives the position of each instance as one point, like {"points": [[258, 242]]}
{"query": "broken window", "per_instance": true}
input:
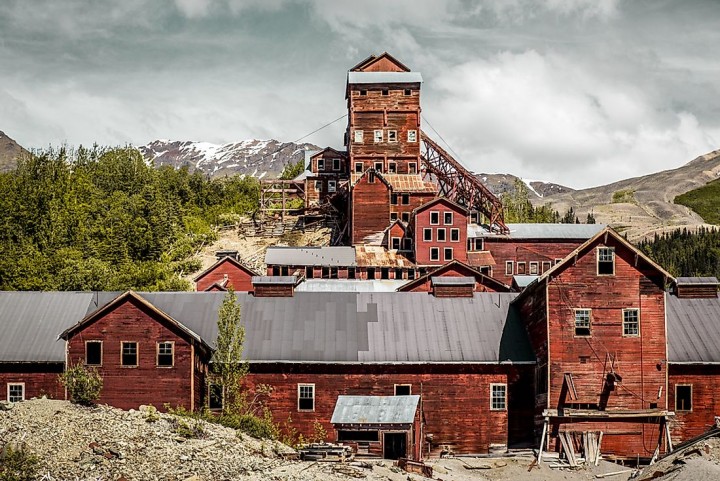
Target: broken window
{"points": [[16, 392], [321, 164], [521, 268], [403, 389], [379, 166], [392, 135], [306, 397], [129, 355], [406, 216], [395, 243], [215, 396], [165, 356], [582, 322], [405, 199], [533, 268], [412, 168], [398, 273], [498, 396], [392, 167], [336, 164], [325, 273], [333, 273], [318, 185], [93, 353], [378, 136], [606, 261], [546, 266], [411, 274], [412, 135], [683, 397], [631, 322], [332, 185], [393, 216], [358, 136]]}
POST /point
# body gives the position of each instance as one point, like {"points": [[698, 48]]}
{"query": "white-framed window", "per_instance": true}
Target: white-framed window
{"points": [[427, 234], [166, 354], [412, 135], [498, 396], [379, 166], [631, 322], [129, 353], [447, 218], [16, 392], [93, 353], [392, 135], [321, 164], [318, 185], [434, 253], [533, 268], [448, 254], [521, 268], [509, 270], [403, 389], [392, 167], [332, 185], [393, 216], [378, 136], [454, 235], [683, 397], [441, 234], [434, 218], [606, 261], [336, 164], [479, 243], [395, 242], [412, 167], [358, 167], [306, 397], [582, 322], [546, 266], [358, 137]]}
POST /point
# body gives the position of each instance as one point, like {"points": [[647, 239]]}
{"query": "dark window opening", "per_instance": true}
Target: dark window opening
{"points": [[448, 218], [385, 92], [379, 166], [406, 216], [393, 216], [215, 398], [448, 253], [363, 92], [276, 270], [411, 274], [129, 354], [333, 273], [412, 168], [392, 167], [336, 164], [326, 273], [165, 354], [606, 261], [441, 235], [455, 235], [358, 167], [395, 243], [309, 272], [384, 273], [398, 273], [371, 273], [582, 322], [306, 397], [407, 244], [362, 436], [434, 254], [406, 199], [285, 271], [407, 92], [427, 234], [403, 389], [393, 199], [93, 353], [434, 218], [351, 273], [683, 398]]}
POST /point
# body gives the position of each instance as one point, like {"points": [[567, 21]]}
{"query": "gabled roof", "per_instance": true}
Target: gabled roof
{"points": [[355, 178], [399, 222], [190, 335], [328, 149], [375, 409], [581, 250], [372, 59], [482, 278], [437, 200], [225, 259]]}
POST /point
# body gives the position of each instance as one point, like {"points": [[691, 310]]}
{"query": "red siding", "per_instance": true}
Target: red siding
{"points": [[455, 270], [455, 399], [128, 387], [526, 251], [370, 209], [40, 379], [238, 278], [705, 399], [422, 221]]}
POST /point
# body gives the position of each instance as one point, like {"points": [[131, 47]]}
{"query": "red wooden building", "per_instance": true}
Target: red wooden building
{"points": [[439, 229], [226, 273]]}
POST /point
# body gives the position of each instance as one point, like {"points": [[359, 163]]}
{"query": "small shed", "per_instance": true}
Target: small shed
{"points": [[384, 426]]}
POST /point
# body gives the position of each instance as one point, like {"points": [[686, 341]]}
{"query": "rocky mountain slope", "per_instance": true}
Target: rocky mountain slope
{"points": [[9, 152], [257, 158], [538, 190], [641, 206]]}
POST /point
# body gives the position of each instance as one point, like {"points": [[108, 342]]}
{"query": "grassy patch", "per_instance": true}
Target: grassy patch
{"points": [[705, 201], [626, 196]]}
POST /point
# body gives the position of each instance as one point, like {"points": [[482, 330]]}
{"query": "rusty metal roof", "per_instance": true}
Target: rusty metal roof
{"points": [[402, 182], [375, 409], [379, 256], [480, 259], [693, 329]]}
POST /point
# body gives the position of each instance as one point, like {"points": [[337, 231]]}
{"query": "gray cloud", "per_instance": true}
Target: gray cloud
{"points": [[580, 92]]}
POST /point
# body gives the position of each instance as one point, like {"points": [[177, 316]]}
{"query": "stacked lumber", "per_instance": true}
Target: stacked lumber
{"points": [[327, 452]]}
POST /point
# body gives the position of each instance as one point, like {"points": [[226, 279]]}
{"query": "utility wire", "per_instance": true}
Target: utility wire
{"points": [[441, 137]]}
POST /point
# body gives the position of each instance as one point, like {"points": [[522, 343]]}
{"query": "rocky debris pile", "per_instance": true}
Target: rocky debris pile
{"points": [[695, 461], [81, 443]]}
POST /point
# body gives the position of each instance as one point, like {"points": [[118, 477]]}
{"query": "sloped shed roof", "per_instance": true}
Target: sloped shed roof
{"points": [[375, 409], [693, 329]]}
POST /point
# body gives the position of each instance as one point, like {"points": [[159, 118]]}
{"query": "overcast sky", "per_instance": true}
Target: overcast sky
{"points": [[579, 92]]}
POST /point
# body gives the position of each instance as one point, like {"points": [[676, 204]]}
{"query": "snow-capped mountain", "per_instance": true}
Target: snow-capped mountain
{"points": [[257, 158]]}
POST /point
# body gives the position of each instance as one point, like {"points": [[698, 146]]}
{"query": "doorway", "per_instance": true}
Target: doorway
{"points": [[394, 445]]}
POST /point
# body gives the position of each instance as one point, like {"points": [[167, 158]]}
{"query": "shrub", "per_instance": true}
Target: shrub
{"points": [[83, 384], [17, 464], [187, 430]]}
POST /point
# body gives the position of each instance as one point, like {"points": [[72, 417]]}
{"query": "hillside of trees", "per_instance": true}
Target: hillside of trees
{"points": [[704, 200], [686, 253], [518, 209], [102, 219]]}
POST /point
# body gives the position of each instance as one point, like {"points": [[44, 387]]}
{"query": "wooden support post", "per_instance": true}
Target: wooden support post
{"points": [[597, 453], [659, 443], [542, 441], [667, 436]]}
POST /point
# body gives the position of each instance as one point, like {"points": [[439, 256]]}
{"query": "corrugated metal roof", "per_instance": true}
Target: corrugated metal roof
{"points": [[335, 256], [681, 281], [693, 329], [274, 280], [452, 281], [480, 259], [348, 285], [379, 256], [524, 281], [375, 409], [539, 231], [30, 323], [384, 77], [401, 182]]}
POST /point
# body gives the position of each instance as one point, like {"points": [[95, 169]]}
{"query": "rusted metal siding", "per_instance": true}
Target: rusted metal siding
{"points": [[455, 399], [40, 379], [128, 387]]}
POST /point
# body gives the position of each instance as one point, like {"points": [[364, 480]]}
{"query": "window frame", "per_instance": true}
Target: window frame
{"points": [[536, 270], [441, 232], [405, 216], [21, 385], [691, 398], [408, 386], [412, 167], [378, 136], [599, 260], [94, 341], [392, 243], [436, 257], [318, 186], [393, 198], [589, 322], [493, 398], [361, 165], [636, 321], [320, 164], [509, 268], [445, 218], [351, 273], [392, 167], [393, 216], [392, 136], [378, 167], [524, 268], [358, 136], [481, 241], [299, 396], [447, 258], [545, 266], [122, 354], [407, 92], [454, 234], [412, 136], [337, 164], [172, 354], [332, 186], [436, 213], [405, 199]]}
